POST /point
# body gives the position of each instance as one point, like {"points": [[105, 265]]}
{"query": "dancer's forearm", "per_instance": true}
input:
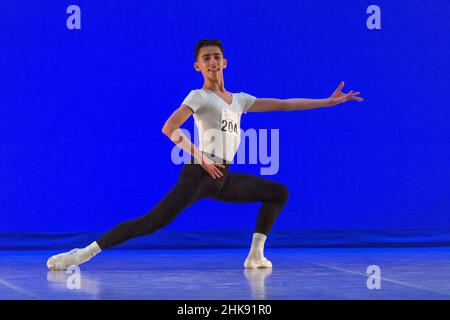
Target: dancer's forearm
{"points": [[305, 104], [269, 104], [179, 138]]}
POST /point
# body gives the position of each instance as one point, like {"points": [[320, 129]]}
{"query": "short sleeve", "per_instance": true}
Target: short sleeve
{"points": [[247, 101], [193, 100]]}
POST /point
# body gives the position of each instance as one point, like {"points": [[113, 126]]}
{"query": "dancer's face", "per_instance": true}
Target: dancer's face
{"points": [[210, 62]]}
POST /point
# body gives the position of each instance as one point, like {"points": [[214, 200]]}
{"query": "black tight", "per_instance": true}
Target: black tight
{"points": [[194, 184]]}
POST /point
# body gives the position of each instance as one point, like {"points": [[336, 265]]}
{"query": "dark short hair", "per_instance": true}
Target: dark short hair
{"points": [[207, 43]]}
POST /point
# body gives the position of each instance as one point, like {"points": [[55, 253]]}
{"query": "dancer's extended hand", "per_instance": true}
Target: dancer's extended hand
{"points": [[339, 97]]}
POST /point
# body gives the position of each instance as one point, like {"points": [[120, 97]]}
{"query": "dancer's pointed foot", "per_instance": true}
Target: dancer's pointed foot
{"points": [[64, 260], [74, 257]]}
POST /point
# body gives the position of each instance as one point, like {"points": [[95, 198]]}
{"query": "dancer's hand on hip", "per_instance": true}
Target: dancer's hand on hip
{"points": [[211, 167]]}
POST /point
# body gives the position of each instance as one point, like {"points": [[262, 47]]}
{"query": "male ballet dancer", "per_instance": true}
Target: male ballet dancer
{"points": [[217, 113]]}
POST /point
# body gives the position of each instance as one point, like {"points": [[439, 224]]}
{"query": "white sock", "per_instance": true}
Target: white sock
{"points": [[257, 247], [88, 252], [74, 257]]}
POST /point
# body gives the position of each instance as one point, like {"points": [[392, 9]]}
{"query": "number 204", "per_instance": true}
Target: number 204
{"points": [[229, 126]]}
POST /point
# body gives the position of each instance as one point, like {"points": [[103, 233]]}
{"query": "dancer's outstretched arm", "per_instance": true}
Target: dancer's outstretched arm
{"points": [[337, 97]]}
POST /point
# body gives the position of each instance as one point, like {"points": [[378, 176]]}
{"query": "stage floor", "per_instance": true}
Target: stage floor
{"points": [[297, 274]]}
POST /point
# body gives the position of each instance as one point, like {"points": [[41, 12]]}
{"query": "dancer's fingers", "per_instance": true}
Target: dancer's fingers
{"points": [[218, 172], [357, 98], [341, 85], [214, 171], [209, 170]]}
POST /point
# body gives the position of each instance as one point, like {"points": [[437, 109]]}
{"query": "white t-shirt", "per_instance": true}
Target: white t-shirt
{"points": [[218, 123]]}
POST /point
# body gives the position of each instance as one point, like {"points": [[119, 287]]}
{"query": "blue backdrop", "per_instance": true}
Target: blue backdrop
{"points": [[81, 111]]}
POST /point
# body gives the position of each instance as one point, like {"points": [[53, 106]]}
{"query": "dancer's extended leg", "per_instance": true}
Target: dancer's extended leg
{"points": [[181, 196]]}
